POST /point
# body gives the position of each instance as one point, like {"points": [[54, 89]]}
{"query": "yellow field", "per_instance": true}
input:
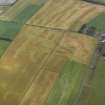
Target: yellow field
{"points": [[24, 60], [39, 54], [65, 15]]}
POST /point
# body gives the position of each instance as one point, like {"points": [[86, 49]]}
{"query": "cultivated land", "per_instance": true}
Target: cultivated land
{"points": [[42, 61], [14, 18], [98, 22], [15, 10], [34, 61], [98, 85], [65, 15], [94, 91]]}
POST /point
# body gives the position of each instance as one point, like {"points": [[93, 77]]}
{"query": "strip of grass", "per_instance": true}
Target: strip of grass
{"points": [[67, 87], [3, 46]]}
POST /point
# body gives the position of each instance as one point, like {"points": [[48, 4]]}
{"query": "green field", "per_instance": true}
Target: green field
{"points": [[9, 29], [96, 92], [43, 56], [98, 86], [68, 85], [98, 22], [3, 46]]}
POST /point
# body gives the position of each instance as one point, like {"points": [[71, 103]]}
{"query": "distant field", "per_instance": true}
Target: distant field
{"points": [[98, 22], [18, 10], [14, 18], [70, 15]]}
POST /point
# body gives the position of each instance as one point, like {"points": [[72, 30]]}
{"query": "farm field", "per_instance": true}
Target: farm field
{"points": [[44, 59], [98, 22], [13, 20], [94, 93], [97, 92], [13, 11], [30, 59], [3, 46], [70, 15]]}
